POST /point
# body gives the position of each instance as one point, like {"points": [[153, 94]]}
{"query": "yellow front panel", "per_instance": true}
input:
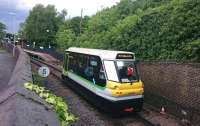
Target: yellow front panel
{"points": [[124, 89]]}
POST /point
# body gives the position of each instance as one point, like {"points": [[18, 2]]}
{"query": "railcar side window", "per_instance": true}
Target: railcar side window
{"points": [[89, 72], [98, 74], [102, 74], [71, 60], [82, 64], [66, 61], [88, 67]]}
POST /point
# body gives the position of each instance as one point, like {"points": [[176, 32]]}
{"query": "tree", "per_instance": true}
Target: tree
{"points": [[21, 30], [42, 25], [74, 24], [192, 50], [70, 31], [2, 30], [152, 29], [65, 38]]}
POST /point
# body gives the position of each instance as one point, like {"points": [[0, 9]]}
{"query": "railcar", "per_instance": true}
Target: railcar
{"points": [[110, 78]]}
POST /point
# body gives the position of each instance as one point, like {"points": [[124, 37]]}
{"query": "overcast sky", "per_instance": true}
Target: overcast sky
{"points": [[12, 12]]}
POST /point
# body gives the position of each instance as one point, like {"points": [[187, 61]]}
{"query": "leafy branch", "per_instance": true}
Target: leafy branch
{"points": [[59, 104]]}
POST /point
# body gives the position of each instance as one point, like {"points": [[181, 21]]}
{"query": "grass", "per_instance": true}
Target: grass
{"points": [[1, 48], [38, 79]]}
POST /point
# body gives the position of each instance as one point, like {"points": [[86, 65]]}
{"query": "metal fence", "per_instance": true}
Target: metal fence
{"points": [[52, 52]]}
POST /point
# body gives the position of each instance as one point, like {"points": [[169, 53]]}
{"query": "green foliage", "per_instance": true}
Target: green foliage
{"points": [[59, 104], [77, 25], [37, 79], [2, 30], [65, 38], [69, 31], [42, 25], [153, 29], [21, 31], [192, 50]]}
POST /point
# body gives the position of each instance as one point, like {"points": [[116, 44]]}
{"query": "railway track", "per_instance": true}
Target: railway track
{"points": [[87, 113]]}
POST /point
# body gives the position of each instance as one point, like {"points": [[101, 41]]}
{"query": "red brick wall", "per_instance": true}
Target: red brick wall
{"points": [[176, 86]]}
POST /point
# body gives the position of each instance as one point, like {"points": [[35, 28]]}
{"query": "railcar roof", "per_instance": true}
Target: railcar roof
{"points": [[104, 54]]}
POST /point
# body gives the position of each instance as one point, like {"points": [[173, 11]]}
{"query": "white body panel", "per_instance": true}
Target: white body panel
{"points": [[103, 54]]}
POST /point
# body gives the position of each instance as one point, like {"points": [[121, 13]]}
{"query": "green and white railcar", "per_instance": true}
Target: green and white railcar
{"points": [[110, 75]]}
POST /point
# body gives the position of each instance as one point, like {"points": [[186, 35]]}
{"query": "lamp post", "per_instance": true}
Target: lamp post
{"points": [[13, 32], [47, 33]]}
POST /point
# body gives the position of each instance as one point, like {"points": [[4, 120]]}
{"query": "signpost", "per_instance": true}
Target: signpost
{"points": [[44, 71]]}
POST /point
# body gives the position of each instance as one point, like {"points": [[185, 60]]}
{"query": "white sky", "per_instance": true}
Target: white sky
{"points": [[20, 8], [73, 6]]}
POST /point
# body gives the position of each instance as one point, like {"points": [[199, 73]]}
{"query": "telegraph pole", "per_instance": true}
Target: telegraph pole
{"points": [[81, 20]]}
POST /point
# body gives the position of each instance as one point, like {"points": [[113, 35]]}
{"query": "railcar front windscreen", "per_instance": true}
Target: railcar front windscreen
{"points": [[127, 71], [121, 71]]}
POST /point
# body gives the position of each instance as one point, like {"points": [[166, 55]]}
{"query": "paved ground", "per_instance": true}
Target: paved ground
{"points": [[7, 63]]}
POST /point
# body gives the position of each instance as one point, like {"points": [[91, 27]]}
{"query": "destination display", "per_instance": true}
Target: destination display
{"points": [[125, 56]]}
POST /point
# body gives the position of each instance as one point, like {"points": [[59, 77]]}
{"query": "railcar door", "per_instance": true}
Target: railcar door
{"points": [[65, 65]]}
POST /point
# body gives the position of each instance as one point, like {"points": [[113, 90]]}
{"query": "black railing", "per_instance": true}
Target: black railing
{"points": [[52, 52]]}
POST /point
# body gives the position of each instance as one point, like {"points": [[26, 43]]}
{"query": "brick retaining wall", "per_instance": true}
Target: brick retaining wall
{"points": [[175, 86]]}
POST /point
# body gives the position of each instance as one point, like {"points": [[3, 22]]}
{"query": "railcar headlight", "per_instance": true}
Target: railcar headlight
{"points": [[114, 87]]}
